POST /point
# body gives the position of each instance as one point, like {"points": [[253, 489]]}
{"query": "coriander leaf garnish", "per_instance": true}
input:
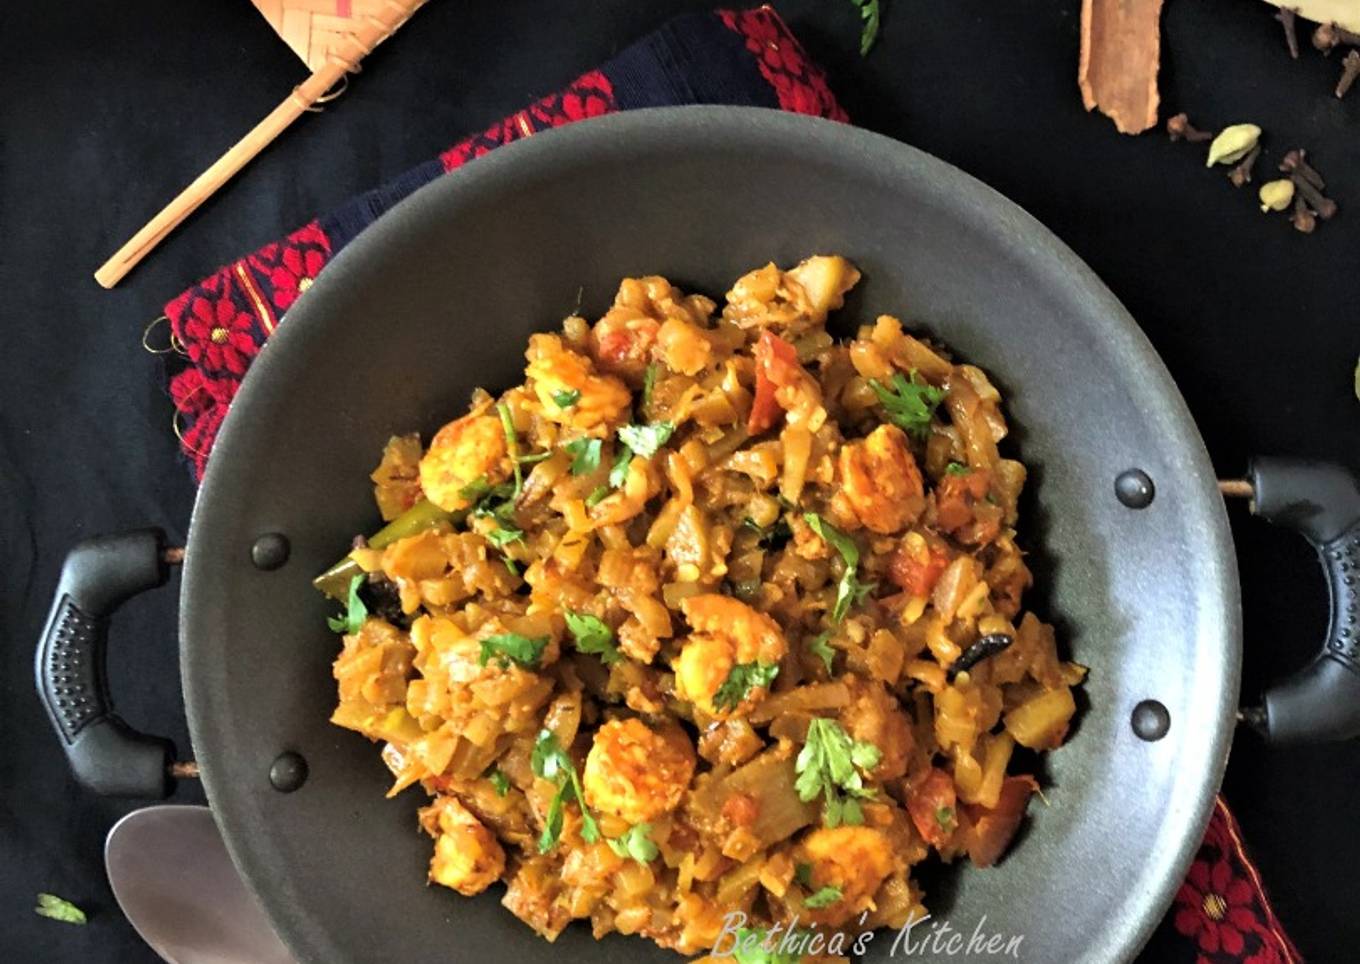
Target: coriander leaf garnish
{"points": [[849, 591], [829, 764], [550, 762], [496, 502], [957, 468], [533, 457], [803, 874], [820, 646], [50, 905], [597, 496], [566, 398], [646, 440], [823, 898], [757, 946], [910, 404], [502, 536], [508, 647], [585, 455], [475, 490], [352, 619], [511, 444], [648, 383], [743, 678], [499, 781], [869, 13], [592, 635], [636, 843], [619, 473], [944, 816]]}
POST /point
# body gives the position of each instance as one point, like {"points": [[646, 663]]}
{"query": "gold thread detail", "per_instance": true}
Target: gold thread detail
{"points": [[248, 285]]}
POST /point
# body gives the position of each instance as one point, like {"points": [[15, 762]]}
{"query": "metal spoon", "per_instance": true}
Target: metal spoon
{"points": [[177, 885]]}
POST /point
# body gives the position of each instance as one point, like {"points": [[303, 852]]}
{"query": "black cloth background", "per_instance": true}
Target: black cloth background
{"points": [[106, 110]]}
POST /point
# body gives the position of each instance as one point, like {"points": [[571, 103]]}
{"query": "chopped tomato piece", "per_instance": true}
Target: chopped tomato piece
{"points": [[917, 570], [931, 806], [776, 366], [993, 829]]}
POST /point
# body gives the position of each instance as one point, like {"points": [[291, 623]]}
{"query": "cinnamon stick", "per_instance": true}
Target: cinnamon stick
{"points": [[1120, 53]]}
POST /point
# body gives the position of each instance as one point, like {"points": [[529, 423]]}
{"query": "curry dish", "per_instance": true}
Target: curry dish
{"points": [[710, 614]]}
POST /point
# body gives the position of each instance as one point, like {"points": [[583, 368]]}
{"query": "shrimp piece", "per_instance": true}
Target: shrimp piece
{"points": [[636, 772], [467, 856], [727, 633], [881, 481], [855, 860], [461, 452], [600, 402]]}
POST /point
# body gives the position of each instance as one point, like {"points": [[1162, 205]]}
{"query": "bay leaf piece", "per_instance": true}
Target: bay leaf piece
{"points": [[1120, 53]]}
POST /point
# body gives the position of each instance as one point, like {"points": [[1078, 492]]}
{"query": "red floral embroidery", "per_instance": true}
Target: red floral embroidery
{"points": [[287, 268], [800, 86], [589, 95], [1216, 908], [194, 393], [217, 334], [202, 403], [1222, 907]]}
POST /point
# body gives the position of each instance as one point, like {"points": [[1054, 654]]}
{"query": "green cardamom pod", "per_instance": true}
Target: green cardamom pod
{"points": [[1232, 144], [1276, 195]]}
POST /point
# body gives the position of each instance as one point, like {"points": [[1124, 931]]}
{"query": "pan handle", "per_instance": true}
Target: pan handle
{"points": [[1320, 501], [98, 576]]}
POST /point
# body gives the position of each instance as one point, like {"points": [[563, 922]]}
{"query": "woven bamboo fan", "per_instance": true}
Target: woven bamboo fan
{"points": [[315, 28], [338, 35]]}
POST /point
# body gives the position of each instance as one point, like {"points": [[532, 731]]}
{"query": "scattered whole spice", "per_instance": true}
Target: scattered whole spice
{"points": [[1179, 128], [57, 908], [1323, 206], [1328, 35], [1286, 17], [1350, 69], [1120, 53], [1302, 218], [1232, 144], [1241, 173], [1295, 162], [1276, 195]]}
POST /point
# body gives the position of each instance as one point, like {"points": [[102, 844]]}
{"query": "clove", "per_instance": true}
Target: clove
{"points": [[1294, 163], [1241, 173], [1302, 218], [1350, 70], [1291, 35], [1324, 206], [1328, 35], [1179, 128]]}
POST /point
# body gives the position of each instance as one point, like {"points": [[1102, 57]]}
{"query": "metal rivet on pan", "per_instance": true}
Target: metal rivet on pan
{"points": [[269, 551], [288, 772], [1150, 720], [1134, 488]]}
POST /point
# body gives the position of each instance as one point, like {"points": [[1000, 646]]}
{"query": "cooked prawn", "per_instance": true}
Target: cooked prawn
{"points": [[638, 772], [854, 860], [467, 856], [463, 451], [881, 481], [727, 633]]}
